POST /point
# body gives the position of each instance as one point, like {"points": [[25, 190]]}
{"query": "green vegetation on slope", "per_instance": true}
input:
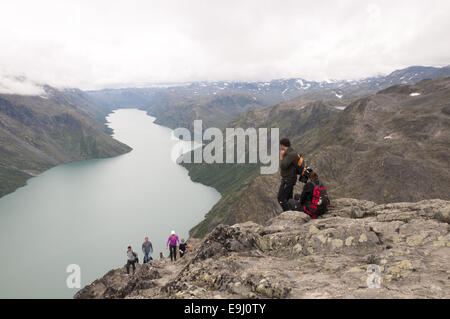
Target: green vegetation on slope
{"points": [[37, 133], [228, 179], [11, 179]]}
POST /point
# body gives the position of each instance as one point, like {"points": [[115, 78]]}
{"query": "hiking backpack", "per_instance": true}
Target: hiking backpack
{"points": [[320, 198], [302, 170]]}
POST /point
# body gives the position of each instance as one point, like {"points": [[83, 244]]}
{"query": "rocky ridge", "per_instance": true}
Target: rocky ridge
{"points": [[292, 256]]}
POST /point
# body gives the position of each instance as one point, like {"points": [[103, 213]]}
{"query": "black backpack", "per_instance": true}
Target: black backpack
{"points": [[302, 170], [136, 259]]}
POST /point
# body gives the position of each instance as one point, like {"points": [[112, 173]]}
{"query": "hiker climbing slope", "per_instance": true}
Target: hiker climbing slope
{"points": [[173, 243], [182, 248], [147, 249], [131, 260]]}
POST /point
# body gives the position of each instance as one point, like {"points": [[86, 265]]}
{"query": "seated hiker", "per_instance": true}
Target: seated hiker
{"points": [[288, 172], [147, 250], [314, 198], [132, 259], [182, 248]]}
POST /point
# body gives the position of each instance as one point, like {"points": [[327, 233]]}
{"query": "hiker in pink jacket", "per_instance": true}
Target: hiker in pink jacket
{"points": [[173, 243]]}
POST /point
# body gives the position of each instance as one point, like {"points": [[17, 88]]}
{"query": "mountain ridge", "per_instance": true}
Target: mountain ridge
{"points": [[195, 99]]}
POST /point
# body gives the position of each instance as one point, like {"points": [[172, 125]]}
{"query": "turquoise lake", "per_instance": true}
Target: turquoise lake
{"points": [[87, 213]]}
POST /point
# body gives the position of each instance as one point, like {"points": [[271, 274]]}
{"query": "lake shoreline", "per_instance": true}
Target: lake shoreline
{"points": [[71, 209]]}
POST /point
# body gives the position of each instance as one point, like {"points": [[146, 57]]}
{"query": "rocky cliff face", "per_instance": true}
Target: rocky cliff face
{"points": [[292, 256]]}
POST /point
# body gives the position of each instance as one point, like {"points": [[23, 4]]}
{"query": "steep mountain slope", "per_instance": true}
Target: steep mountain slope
{"points": [[39, 132], [394, 142], [180, 106], [292, 256], [214, 111], [387, 147], [235, 181]]}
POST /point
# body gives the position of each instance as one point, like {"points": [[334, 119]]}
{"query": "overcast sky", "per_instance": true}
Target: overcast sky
{"points": [[104, 43]]}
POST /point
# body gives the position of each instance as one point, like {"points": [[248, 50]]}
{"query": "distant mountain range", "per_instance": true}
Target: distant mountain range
{"points": [[63, 125], [217, 103], [286, 89]]}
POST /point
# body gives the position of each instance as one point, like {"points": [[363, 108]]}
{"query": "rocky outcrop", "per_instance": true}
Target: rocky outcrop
{"points": [[402, 247]]}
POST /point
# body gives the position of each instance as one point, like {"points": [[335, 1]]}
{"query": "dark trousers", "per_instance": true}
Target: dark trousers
{"points": [[132, 263], [311, 210], [294, 204], [286, 192], [173, 252]]}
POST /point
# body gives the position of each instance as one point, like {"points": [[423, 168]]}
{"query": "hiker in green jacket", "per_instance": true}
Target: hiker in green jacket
{"points": [[288, 172]]}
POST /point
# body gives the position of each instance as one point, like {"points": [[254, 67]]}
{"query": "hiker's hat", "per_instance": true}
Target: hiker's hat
{"points": [[172, 232]]}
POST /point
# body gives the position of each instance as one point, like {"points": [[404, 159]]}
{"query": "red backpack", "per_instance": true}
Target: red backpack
{"points": [[319, 203]]}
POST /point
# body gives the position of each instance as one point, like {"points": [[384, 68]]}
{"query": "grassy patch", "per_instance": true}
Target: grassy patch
{"points": [[10, 180]]}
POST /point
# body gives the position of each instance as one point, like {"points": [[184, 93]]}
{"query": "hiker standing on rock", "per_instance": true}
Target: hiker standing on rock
{"points": [[132, 258], [173, 243], [147, 249], [288, 172]]}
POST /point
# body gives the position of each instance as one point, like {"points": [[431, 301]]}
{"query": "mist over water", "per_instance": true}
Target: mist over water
{"points": [[88, 212]]}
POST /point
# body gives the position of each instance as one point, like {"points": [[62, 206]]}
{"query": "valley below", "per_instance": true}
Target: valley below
{"points": [[86, 213]]}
